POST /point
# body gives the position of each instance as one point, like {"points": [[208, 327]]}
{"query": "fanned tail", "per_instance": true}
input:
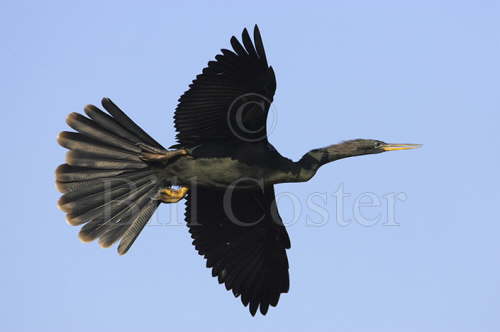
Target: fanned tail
{"points": [[107, 186]]}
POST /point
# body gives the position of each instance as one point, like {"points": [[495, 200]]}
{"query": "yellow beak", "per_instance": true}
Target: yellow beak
{"points": [[396, 147]]}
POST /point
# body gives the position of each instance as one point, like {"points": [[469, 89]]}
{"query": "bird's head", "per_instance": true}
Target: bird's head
{"points": [[369, 146], [316, 158], [356, 147]]}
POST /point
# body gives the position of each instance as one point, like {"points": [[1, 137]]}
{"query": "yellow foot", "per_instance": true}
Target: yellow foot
{"points": [[169, 195]]}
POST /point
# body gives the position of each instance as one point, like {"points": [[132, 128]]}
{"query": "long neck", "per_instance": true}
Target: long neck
{"points": [[309, 164]]}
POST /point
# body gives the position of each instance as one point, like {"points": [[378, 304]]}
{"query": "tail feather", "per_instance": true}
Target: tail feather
{"points": [[109, 209], [107, 187], [126, 122], [92, 129], [135, 229], [80, 143], [98, 185], [66, 173], [117, 230], [121, 214], [76, 180], [89, 160], [107, 122], [79, 204]]}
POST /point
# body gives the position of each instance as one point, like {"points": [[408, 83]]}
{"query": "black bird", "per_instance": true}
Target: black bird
{"points": [[116, 175]]}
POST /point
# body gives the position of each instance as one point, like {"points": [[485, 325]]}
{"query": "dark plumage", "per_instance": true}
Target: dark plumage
{"points": [[116, 175]]}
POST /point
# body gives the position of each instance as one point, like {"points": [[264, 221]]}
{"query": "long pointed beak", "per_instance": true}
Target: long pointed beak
{"points": [[396, 147]]}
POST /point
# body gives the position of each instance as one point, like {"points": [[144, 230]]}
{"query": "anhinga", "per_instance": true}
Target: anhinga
{"points": [[116, 175]]}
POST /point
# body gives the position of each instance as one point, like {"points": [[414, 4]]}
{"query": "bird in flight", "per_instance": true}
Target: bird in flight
{"points": [[116, 175]]}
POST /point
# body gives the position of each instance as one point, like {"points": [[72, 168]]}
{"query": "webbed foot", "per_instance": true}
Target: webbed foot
{"points": [[169, 195]]}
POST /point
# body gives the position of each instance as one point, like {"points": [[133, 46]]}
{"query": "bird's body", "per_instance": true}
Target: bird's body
{"points": [[239, 165], [116, 175]]}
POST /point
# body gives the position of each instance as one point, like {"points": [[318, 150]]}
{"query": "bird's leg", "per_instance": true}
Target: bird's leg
{"points": [[166, 155], [169, 195], [151, 153]]}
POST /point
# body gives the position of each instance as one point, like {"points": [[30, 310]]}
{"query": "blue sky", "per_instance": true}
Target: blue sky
{"points": [[399, 71]]}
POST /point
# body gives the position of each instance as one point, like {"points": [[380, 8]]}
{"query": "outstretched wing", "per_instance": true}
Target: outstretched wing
{"points": [[230, 99], [241, 235]]}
